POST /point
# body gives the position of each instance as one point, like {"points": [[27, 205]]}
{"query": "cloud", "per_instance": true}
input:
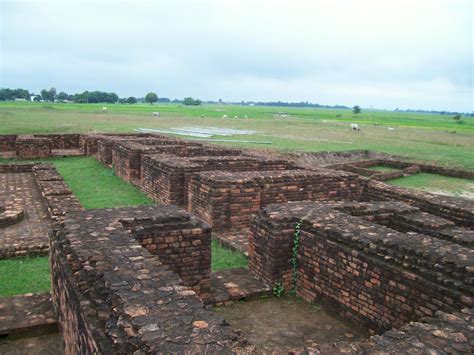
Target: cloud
{"points": [[405, 54]]}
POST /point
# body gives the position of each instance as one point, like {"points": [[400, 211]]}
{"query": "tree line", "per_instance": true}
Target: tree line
{"points": [[51, 95]]}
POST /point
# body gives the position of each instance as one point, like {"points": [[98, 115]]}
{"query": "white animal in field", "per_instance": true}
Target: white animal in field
{"points": [[225, 116], [156, 114], [245, 116], [391, 129], [355, 127], [236, 116], [104, 109]]}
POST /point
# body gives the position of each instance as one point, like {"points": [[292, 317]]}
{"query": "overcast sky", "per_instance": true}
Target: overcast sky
{"points": [[385, 54]]}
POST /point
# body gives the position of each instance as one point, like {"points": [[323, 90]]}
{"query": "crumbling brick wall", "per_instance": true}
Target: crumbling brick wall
{"points": [[7, 142], [113, 296], [371, 274], [29, 147], [62, 141], [166, 178], [228, 199]]}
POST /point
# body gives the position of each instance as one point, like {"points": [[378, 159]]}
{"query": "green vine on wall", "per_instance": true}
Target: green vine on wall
{"points": [[294, 255]]}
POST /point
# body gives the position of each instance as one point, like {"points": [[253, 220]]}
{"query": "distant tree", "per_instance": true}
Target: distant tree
{"points": [[457, 117], [131, 100], [356, 109], [122, 101], [48, 95], [151, 97], [163, 99], [189, 101], [62, 96]]}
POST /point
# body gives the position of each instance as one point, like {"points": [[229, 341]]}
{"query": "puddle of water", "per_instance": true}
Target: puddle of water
{"points": [[282, 324]]}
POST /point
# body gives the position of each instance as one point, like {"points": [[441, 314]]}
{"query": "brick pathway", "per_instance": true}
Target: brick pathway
{"points": [[236, 284], [30, 235]]}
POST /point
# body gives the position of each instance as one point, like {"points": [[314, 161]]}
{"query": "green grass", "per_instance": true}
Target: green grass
{"points": [[419, 136], [26, 275], [384, 169], [97, 186], [225, 258], [437, 184]]}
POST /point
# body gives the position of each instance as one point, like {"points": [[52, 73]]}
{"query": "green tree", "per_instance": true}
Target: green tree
{"points": [[356, 109], [457, 117], [191, 102], [62, 96], [151, 97], [131, 100]]}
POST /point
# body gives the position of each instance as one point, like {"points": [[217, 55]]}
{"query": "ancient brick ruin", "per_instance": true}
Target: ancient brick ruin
{"points": [[125, 280]]}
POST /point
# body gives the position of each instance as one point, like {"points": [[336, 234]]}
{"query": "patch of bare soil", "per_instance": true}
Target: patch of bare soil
{"points": [[283, 324]]}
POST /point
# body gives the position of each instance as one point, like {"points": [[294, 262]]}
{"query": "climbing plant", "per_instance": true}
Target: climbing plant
{"points": [[294, 255]]}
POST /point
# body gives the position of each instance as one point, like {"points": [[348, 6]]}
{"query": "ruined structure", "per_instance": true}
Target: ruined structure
{"points": [[128, 280]]}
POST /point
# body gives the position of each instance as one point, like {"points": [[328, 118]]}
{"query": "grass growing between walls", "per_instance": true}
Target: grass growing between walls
{"points": [[96, 186], [225, 258], [24, 275], [445, 185]]}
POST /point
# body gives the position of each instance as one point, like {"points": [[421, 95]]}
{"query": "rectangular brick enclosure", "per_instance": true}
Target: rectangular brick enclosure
{"points": [[359, 258], [228, 200], [166, 178]]}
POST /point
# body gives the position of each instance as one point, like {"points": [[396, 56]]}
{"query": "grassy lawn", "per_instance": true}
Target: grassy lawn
{"points": [[225, 258], [97, 186], [24, 275], [445, 185], [428, 137]]}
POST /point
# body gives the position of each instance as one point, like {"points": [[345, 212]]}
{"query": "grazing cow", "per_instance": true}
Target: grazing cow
{"points": [[104, 109], [225, 116], [391, 129], [236, 116], [156, 114], [355, 127]]}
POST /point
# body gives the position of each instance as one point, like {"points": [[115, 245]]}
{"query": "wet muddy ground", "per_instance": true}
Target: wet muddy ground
{"points": [[281, 324]]}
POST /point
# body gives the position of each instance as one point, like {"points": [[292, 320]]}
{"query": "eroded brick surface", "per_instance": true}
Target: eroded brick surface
{"points": [[27, 313], [30, 235]]}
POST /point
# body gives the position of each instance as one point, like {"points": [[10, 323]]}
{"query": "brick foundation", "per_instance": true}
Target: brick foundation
{"points": [[166, 178], [29, 147], [228, 200], [372, 274]]}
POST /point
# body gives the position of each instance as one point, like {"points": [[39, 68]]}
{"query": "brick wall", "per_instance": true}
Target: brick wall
{"points": [[7, 142], [371, 274], [62, 141], [113, 296], [28, 147], [165, 178], [228, 199]]}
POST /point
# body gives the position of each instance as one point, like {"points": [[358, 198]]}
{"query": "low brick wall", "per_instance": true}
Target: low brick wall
{"points": [[228, 199], [7, 142], [407, 168], [29, 147], [113, 296], [458, 210], [165, 178], [61, 141], [371, 274]]}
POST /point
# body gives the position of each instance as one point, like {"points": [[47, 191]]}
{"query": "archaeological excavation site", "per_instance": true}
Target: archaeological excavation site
{"points": [[354, 264]]}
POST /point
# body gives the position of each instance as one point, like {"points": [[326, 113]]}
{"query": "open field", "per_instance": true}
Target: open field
{"points": [[426, 137]]}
